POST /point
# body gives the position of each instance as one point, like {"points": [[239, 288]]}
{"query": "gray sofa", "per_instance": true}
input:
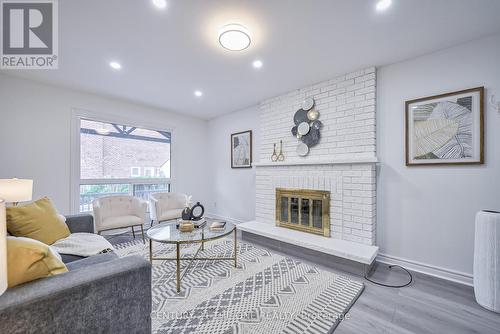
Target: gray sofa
{"points": [[99, 294]]}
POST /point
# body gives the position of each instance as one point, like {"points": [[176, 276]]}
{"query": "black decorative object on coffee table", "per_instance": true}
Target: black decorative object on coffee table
{"points": [[197, 211], [186, 213]]}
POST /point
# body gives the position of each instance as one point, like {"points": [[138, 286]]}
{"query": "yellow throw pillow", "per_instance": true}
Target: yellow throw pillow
{"points": [[29, 259], [38, 220]]}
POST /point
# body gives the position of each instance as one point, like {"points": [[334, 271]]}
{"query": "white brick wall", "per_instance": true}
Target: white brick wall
{"points": [[347, 110]]}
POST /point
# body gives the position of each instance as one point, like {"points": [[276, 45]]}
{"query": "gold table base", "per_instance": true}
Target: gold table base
{"points": [[178, 258]]}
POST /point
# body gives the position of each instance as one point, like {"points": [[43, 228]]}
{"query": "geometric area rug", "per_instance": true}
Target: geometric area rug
{"points": [[267, 293]]}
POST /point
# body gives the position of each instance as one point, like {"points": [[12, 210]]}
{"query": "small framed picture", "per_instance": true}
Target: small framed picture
{"points": [[446, 129], [241, 149]]}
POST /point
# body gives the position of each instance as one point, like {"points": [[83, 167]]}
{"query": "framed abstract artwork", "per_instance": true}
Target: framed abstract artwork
{"points": [[241, 149], [446, 129]]}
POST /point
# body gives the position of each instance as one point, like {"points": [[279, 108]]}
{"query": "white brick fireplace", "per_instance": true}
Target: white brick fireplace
{"points": [[352, 194], [344, 161]]}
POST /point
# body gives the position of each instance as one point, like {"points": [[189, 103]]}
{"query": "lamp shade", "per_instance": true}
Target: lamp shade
{"points": [[3, 248], [16, 190]]}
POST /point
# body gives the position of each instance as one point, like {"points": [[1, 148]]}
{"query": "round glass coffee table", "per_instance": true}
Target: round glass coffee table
{"points": [[168, 233]]}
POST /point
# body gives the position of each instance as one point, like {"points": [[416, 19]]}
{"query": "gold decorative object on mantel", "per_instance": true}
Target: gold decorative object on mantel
{"points": [[274, 156], [278, 156], [303, 210]]}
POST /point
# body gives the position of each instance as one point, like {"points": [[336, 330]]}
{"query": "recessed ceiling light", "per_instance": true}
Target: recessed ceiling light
{"points": [[161, 4], [257, 63], [234, 37], [115, 65], [198, 93], [383, 5]]}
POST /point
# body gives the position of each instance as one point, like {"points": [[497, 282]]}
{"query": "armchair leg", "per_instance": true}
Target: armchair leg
{"points": [[133, 232], [142, 231]]}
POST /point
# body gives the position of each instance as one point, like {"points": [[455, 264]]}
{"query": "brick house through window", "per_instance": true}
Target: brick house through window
{"points": [[118, 159]]}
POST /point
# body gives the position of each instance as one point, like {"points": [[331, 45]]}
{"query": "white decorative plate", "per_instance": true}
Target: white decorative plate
{"points": [[308, 103], [303, 128], [302, 149]]}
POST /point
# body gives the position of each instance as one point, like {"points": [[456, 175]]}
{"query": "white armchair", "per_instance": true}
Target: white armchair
{"points": [[114, 212], [166, 206]]}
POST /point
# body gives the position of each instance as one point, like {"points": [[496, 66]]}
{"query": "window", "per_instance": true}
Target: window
{"points": [[149, 171], [135, 171], [118, 159]]}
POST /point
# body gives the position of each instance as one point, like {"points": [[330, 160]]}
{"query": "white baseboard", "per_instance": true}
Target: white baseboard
{"points": [[447, 274], [229, 219]]}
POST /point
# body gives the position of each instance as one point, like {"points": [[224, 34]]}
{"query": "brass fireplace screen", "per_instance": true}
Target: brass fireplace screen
{"points": [[304, 210]]}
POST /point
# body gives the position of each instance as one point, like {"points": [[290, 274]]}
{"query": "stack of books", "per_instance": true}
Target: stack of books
{"points": [[217, 226], [199, 223]]}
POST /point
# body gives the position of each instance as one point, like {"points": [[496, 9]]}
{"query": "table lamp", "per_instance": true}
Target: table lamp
{"points": [[3, 248], [16, 190]]}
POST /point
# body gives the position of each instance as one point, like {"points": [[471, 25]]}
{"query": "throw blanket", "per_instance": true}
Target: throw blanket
{"points": [[82, 244]]}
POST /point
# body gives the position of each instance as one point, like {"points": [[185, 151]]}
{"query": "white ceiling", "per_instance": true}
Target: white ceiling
{"points": [[168, 54]]}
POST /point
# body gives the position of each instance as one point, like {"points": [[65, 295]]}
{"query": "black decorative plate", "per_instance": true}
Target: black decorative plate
{"points": [[316, 124], [300, 116], [294, 131], [312, 138]]}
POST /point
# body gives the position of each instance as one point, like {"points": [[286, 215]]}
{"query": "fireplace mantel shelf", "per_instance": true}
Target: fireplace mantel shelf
{"points": [[373, 160]]}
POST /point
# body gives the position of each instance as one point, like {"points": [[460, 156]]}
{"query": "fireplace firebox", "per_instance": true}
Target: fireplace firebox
{"points": [[304, 210]]}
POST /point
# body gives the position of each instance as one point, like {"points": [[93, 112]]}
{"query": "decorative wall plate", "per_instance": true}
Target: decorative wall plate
{"points": [[302, 149], [312, 138], [303, 128], [308, 103], [316, 125], [312, 114], [307, 127], [300, 116]]}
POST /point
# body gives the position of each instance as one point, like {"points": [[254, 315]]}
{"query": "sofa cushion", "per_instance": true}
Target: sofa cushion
{"points": [[121, 221], [29, 259], [38, 220]]}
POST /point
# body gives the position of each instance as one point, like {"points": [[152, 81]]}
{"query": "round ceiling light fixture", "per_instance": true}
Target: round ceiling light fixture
{"points": [[383, 5], [160, 4], [234, 37]]}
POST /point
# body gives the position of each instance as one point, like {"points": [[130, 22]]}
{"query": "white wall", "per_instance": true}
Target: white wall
{"points": [[35, 137], [232, 190], [426, 214]]}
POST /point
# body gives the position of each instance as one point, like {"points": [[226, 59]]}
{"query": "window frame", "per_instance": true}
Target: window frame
{"points": [[132, 173], [77, 115]]}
